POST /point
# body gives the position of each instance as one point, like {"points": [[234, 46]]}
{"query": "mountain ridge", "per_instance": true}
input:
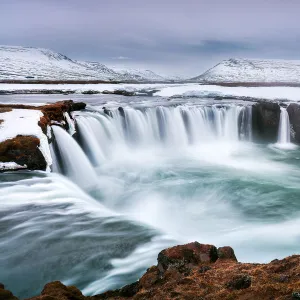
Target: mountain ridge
{"points": [[235, 70], [26, 63]]}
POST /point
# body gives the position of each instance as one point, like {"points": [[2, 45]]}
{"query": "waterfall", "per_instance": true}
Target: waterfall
{"points": [[284, 135], [101, 133], [75, 163]]}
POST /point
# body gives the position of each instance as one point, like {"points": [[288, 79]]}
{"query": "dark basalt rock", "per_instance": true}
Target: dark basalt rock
{"points": [[294, 116], [121, 111], [106, 111], [118, 92], [265, 120]]}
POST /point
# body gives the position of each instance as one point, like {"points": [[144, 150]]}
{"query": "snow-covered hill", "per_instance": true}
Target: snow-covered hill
{"points": [[253, 70], [23, 63]]}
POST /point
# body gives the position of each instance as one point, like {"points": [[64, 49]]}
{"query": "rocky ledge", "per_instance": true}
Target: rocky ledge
{"points": [[197, 271], [24, 151]]}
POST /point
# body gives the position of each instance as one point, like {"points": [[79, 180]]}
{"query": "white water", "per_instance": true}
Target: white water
{"points": [[75, 163], [284, 131], [161, 127]]}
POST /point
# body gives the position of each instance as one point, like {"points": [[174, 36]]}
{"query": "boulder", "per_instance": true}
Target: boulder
{"points": [[188, 255], [23, 150], [226, 253], [58, 291]]}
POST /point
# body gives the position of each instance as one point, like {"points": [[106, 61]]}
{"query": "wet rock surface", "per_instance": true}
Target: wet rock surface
{"points": [[294, 115], [198, 271], [265, 120]]}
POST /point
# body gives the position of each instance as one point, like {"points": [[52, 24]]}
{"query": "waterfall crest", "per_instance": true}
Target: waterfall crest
{"points": [[161, 126]]}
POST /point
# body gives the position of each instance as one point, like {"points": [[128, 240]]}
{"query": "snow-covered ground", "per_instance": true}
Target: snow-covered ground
{"points": [[194, 90], [24, 122], [253, 70], [80, 88], [25, 63], [168, 90]]}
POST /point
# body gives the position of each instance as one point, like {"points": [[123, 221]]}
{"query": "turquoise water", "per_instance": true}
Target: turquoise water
{"points": [[146, 198]]}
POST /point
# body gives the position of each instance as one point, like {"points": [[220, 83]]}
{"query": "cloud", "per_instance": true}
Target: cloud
{"points": [[166, 36], [121, 58]]}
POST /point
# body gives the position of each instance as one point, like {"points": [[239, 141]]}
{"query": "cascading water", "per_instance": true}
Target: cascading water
{"points": [[284, 135], [75, 163], [284, 131], [178, 127]]}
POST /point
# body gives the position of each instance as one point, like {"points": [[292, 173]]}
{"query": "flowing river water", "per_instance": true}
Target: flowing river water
{"points": [[137, 179]]}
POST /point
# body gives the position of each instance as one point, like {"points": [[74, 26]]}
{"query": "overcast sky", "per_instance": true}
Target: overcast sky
{"points": [[167, 36]]}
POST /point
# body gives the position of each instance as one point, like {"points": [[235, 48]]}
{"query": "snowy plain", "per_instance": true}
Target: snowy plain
{"points": [[165, 90]]}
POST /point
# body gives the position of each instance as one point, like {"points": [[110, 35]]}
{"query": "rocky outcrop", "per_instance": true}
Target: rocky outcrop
{"points": [[265, 120], [24, 150], [294, 114], [198, 271], [5, 294]]}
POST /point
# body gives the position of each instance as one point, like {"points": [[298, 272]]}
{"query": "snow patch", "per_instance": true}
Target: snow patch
{"points": [[10, 166]]}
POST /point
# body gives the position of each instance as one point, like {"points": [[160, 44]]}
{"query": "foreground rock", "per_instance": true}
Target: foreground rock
{"points": [[198, 271]]}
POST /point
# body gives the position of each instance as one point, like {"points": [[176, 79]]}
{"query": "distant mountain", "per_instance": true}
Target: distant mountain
{"points": [[22, 63], [253, 70]]}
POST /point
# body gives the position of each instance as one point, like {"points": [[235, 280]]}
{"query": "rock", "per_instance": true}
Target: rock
{"points": [[23, 150], [226, 253], [294, 115], [106, 111], [119, 92], [57, 291], [296, 295], [129, 290], [207, 278], [5, 294], [239, 282], [204, 269], [186, 255], [77, 106], [265, 120], [121, 111]]}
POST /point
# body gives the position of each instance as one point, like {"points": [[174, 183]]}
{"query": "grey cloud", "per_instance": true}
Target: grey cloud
{"points": [[166, 36]]}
